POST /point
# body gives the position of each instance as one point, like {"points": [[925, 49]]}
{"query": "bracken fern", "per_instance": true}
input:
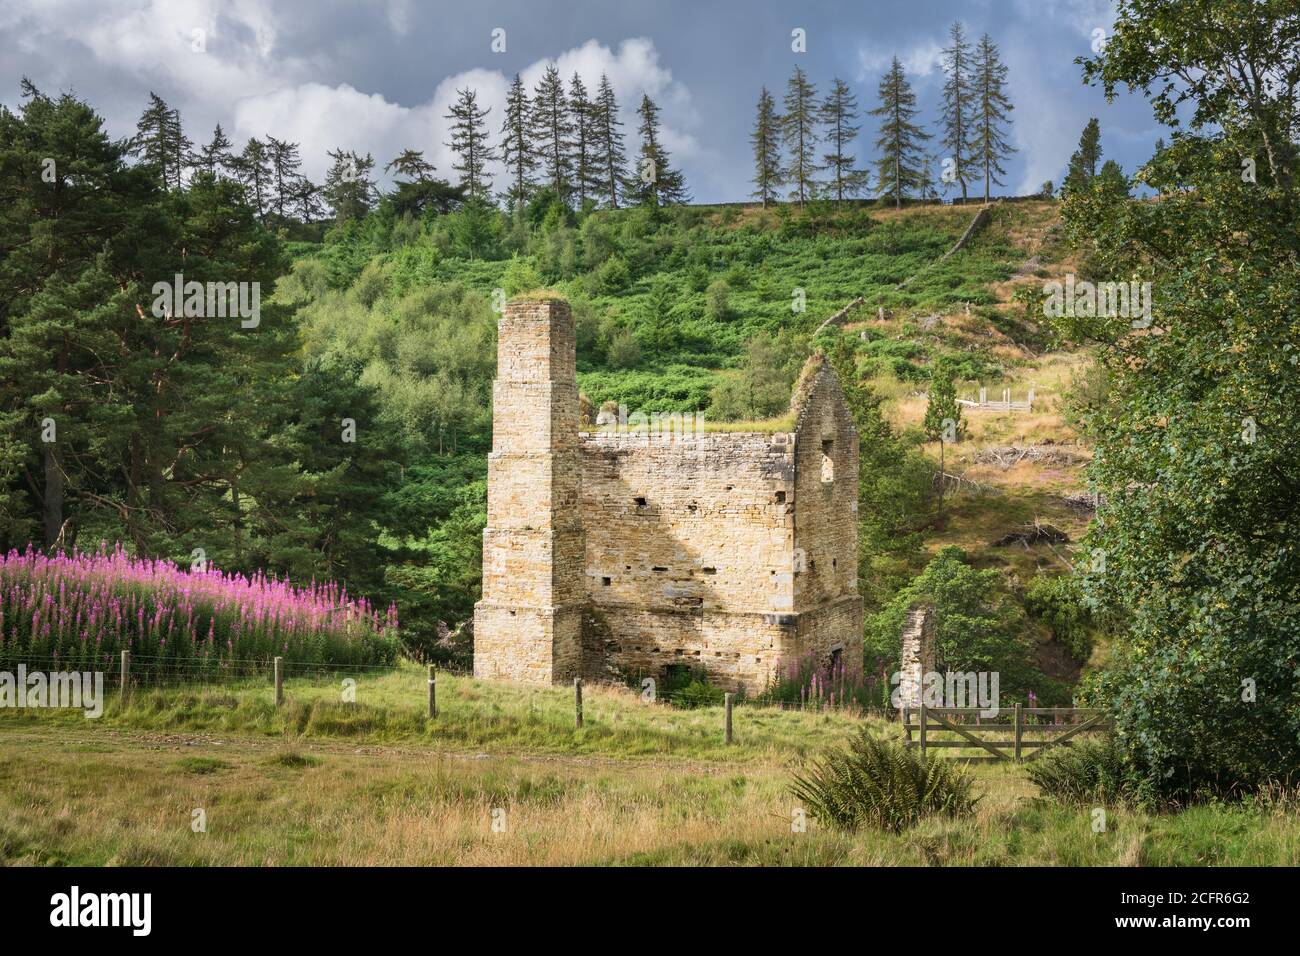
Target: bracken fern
{"points": [[880, 784]]}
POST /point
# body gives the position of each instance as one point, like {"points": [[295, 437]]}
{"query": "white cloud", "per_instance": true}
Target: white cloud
{"points": [[244, 81], [399, 16], [919, 60]]}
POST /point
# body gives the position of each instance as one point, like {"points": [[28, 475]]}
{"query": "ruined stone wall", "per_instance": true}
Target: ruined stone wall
{"points": [[528, 625], [917, 656], [826, 526], [621, 553], [689, 545]]}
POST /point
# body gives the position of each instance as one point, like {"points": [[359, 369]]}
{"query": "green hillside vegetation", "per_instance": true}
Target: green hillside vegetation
{"points": [[711, 310]]}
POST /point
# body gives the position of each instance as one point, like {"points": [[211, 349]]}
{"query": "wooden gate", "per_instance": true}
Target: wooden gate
{"points": [[1033, 730]]}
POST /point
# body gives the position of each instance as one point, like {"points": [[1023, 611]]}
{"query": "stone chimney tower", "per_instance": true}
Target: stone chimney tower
{"points": [[528, 625]]}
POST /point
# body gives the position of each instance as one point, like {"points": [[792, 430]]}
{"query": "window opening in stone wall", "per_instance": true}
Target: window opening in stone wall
{"points": [[606, 581], [640, 502], [780, 497], [828, 463]]}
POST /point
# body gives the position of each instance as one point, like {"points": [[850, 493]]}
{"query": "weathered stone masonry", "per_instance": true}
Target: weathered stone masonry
{"points": [[613, 551]]}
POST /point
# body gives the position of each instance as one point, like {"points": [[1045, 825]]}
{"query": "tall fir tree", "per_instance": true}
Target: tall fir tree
{"points": [[160, 141], [766, 141], [517, 150], [284, 162], [654, 182], [1084, 161], [215, 157], [837, 114], [253, 170], [799, 133], [992, 114], [899, 167], [552, 131], [610, 162], [349, 187], [586, 177], [958, 106], [469, 141]]}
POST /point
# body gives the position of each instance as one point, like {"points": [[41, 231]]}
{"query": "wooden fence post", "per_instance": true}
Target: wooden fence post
{"points": [[923, 730], [279, 681], [433, 691], [125, 674], [1019, 727], [577, 702], [726, 703]]}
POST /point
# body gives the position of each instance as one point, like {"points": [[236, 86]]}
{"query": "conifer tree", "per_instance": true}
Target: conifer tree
{"points": [[517, 150], [899, 168], [349, 187], [552, 131], [160, 142], [654, 182], [609, 164], [284, 162], [837, 114], [253, 170], [766, 140], [586, 178], [216, 157], [1083, 164], [799, 133], [992, 113], [958, 105], [469, 141]]}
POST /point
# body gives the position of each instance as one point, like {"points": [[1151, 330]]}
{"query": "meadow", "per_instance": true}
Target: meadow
{"points": [[321, 782]]}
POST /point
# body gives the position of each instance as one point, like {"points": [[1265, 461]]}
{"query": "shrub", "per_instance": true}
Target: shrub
{"points": [[717, 296], [1053, 599], [520, 276], [613, 276], [1090, 773], [881, 784], [624, 350]]}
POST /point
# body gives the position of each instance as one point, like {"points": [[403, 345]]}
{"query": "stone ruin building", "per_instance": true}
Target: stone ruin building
{"points": [[626, 551]]}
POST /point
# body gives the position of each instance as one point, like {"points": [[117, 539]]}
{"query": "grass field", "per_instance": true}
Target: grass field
{"points": [[376, 783]]}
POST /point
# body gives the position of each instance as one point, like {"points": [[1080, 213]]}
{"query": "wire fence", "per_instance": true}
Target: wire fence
{"points": [[407, 686]]}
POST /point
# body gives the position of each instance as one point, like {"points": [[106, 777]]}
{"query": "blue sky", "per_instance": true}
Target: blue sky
{"points": [[379, 76]]}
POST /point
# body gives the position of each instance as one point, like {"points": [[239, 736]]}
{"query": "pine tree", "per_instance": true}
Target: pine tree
{"points": [[654, 182], [160, 142], [837, 113], [609, 164], [253, 170], [307, 200], [586, 177], [1083, 164], [552, 130], [899, 168], [284, 162], [958, 104], [516, 146], [992, 114], [799, 133], [349, 189], [469, 140], [767, 149], [216, 157], [420, 189]]}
